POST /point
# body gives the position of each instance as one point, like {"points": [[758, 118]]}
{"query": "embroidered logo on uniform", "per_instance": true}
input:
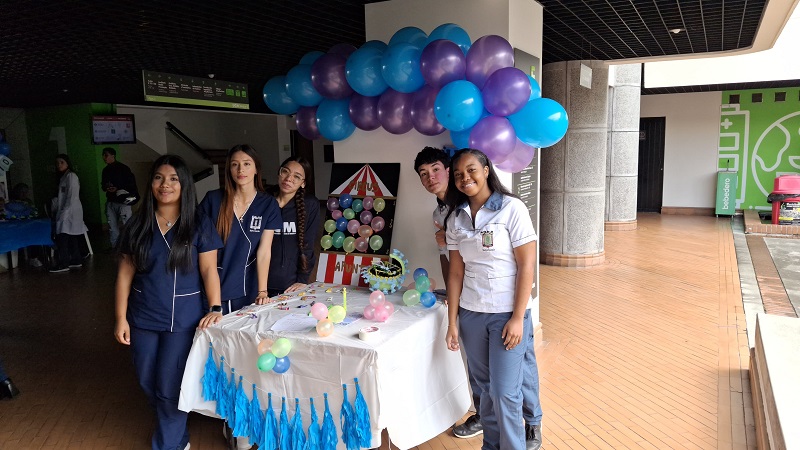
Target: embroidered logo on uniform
{"points": [[255, 224], [289, 228], [487, 240]]}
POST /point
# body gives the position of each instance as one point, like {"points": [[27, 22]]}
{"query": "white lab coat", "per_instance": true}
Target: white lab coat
{"points": [[68, 208]]}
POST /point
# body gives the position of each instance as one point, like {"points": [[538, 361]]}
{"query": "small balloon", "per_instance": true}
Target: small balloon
{"points": [[324, 328], [348, 214], [266, 362], [487, 55], [330, 225], [281, 347], [341, 223], [338, 239], [427, 299], [375, 242], [369, 312], [345, 200], [265, 346], [419, 272], [422, 284], [310, 57], [381, 315], [412, 35], [458, 105], [433, 283], [353, 226], [365, 231], [379, 204], [349, 244], [326, 242], [362, 244], [367, 202], [358, 205], [276, 97], [336, 313], [365, 217], [377, 223], [333, 203], [281, 365], [319, 311], [376, 298], [336, 214], [306, 121], [389, 307], [411, 297]]}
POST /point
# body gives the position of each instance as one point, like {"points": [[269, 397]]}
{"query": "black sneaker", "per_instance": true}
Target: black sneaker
{"points": [[533, 437], [471, 427], [7, 389]]}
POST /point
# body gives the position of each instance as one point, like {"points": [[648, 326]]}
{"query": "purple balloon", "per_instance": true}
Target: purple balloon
{"points": [[441, 62], [377, 223], [506, 91], [367, 202], [336, 214], [495, 137], [394, 111], [352, 226], [487, 54], [342, 49], [366, 217], [328, 76], [306, 120], [422, 115], [333, 204], [519, 159], [364, 112]]}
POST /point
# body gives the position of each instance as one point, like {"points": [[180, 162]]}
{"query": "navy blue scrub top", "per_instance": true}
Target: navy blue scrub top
{"points": [[236, 261], [171, 300]]}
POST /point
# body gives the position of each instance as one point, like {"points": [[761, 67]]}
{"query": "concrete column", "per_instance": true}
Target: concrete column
{"points": [[574, 170], [622, 163]]}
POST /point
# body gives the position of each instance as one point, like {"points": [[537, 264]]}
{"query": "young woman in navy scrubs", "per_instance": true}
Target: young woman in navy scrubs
{"points": [[492, 247], [293, 246], [246, 219], [168, 256]]}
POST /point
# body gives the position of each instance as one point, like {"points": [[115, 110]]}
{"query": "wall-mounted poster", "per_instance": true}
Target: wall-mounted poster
{"points": [[358, 221]]}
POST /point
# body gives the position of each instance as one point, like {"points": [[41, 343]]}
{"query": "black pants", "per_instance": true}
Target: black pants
{"points": [[68, 250]]}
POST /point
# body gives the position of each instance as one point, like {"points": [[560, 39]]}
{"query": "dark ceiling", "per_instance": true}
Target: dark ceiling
{"points": [[55, 52]]}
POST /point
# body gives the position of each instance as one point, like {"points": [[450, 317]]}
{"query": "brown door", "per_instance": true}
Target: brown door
{"points": [[304, 148]]}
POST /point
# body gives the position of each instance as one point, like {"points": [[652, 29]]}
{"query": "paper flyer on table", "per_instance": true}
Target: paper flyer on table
{"points": [[294, 322]]}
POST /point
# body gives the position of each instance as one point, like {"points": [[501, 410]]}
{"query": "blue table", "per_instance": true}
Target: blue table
{"points": [[16, 234]]}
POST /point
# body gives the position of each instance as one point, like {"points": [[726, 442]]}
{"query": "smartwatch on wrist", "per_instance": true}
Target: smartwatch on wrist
{"points": [[216, 309]]}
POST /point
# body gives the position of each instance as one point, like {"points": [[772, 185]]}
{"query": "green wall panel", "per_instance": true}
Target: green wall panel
{"points": [[759, 136]]}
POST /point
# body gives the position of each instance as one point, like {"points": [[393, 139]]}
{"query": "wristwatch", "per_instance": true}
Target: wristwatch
{"points": [[216, 308]]}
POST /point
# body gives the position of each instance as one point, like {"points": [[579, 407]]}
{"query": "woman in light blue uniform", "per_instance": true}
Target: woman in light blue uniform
{"points": [[492, 247], [168, 256], [246, 218]]}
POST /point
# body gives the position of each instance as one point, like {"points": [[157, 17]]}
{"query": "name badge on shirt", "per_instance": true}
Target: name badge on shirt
{"points": [[255, 224], [487, 241]]}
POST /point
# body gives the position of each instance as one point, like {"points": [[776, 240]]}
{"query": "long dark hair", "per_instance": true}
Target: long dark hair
{"points": [[454, 196], [66, 159], [300, 204], [225, 217], [137, 235]]}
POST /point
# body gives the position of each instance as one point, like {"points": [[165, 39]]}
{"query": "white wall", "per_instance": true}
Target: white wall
{"points": [[691, 141]]}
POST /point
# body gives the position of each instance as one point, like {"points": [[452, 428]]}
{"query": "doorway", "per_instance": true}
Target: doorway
{"points": [[650, 187], [304, 148]]}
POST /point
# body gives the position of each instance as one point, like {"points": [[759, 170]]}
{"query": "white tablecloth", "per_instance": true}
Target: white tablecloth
{"points": [[414, 387]]}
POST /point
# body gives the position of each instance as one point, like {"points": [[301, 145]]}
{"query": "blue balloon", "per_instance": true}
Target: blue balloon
{"points": [[460, 138], [401, 69], [536, 91], [281, 364], [333, 119], [420, 271], [345, 200], [341, 224], [364, 72], [427, 299], [540, 123], [299, 86], [410, 35], [451, 32], [459, 105], [310, 57], [379, 45], [5, 148], [276, 97]]}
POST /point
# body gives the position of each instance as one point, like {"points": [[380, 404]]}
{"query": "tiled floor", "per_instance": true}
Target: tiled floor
{"points": [[648, 350]]}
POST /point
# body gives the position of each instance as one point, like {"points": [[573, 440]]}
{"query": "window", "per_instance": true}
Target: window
{"points": [[780, 96], [757, 98], [734, 100]]}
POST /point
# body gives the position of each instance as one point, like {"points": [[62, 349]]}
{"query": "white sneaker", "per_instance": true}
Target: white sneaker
{"points": [[243, 443], [188, 446]]}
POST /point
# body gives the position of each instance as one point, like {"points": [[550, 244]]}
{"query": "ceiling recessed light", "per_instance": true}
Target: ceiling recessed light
{"points": [[676, 30]]}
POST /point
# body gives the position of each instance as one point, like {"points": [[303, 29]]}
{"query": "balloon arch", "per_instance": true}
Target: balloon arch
{"points": [[431, 83]]}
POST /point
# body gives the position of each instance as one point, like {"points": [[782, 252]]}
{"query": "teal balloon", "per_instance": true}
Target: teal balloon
{"points": [[299, 86], [266, 362], [276, 97], [458, 105], [411, 35], [542, 122], [333, 119], [310, 57], [338, 239], [536, 91], [5, 148], [358, 205], [364, 71], [422, 283], [451, 32], [460, 138], [400, 66], [379, 45]]}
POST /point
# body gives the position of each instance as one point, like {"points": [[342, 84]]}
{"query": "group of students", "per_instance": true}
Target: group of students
{"points": [[182, 266]]}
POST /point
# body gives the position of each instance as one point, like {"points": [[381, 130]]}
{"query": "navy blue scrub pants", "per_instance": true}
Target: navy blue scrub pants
{"points": [[229, 306], [499, 374], [160, 359]]}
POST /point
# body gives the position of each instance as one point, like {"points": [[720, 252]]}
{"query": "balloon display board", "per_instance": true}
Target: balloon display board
{"points": [[430, 83], [358, 221]]}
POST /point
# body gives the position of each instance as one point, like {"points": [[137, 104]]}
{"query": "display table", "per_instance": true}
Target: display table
{"points": [[414, 387], [16, 234]]}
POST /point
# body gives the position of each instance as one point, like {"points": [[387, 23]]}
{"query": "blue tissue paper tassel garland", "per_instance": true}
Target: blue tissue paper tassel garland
{"points": [[210, 377], [298, 434], [270, 427], [256, 420], [285, 430], [363, 428], [348, 422], [241, 418], [328, 438], [230, 398], [222, 387], [313, 430]]}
